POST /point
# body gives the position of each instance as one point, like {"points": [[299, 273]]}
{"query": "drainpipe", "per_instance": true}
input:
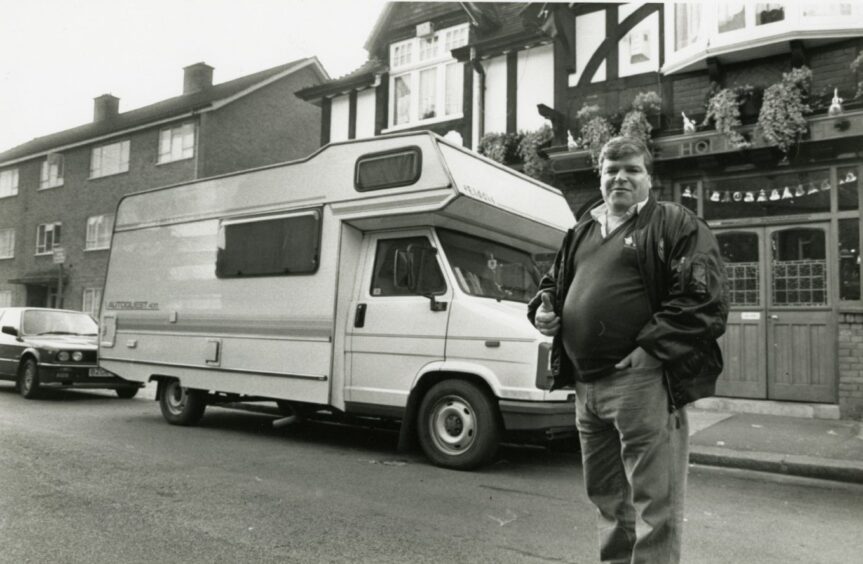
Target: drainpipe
{"points": [[480, 70]]}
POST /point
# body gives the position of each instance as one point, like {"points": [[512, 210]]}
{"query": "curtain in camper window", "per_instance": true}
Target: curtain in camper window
{"points": [[269, 247]]}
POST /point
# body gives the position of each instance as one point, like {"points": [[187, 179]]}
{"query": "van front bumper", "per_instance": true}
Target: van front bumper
{"points": [[538, 415]]}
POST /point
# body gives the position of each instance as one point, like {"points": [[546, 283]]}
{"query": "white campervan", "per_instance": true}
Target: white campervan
{"points": [[383, 277]]}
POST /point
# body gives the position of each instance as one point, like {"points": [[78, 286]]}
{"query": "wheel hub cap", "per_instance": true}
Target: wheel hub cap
{"points": [[453, 425]]}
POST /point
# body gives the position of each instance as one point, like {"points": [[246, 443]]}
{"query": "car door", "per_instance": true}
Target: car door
{"points": [[10, 346]]}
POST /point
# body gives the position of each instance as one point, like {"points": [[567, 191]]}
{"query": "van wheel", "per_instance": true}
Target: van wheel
{"points": [[28, 379], [181, 406], [458, 425]]}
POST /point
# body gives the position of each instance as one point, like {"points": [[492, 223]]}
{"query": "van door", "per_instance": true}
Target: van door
{"points": [[392, 333]]}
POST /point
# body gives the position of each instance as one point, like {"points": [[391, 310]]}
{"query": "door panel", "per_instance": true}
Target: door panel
{"points": [[743, 345], [393, 334], [802, 359], [780, 341]]}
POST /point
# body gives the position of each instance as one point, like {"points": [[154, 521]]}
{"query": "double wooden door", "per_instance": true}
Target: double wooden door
{"points": [[780, 342]]}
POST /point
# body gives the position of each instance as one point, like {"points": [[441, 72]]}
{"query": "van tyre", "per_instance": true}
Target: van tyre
{"points": [[459, 427], [182, 406], [28, 379]]}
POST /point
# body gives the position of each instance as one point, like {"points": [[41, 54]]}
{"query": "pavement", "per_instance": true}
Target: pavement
{"points": [[798, 442]]}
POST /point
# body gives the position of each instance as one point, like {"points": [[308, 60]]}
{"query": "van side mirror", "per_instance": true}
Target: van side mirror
{"points": [[415, 270], [9, 330]]}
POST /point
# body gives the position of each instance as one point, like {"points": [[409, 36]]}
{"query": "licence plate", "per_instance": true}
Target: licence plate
{"points": [[100, 373]]}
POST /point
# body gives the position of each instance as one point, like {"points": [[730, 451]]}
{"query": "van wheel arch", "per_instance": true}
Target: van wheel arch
{"points": [[408, 433]]}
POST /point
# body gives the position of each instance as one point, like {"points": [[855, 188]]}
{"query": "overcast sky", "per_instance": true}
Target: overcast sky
{"points": [[57, 55]]}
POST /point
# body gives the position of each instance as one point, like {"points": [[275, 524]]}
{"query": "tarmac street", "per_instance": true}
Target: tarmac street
{"points": [[87, 477]]}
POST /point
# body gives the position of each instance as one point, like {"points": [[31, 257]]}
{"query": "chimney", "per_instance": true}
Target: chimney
{"points": [[197, 77], [105, 107]]}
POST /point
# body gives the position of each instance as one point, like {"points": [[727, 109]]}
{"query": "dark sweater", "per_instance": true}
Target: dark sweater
{"points": [[606, 306]]}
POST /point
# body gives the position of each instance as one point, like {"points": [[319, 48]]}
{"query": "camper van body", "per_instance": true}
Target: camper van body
{"points": [[276, 283]]}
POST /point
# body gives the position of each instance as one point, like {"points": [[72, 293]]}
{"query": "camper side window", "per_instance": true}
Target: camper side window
{"points": [[383, 283], [269, 247]]}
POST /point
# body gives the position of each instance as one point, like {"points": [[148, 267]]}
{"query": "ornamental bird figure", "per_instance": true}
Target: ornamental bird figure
{"points": [[836, 104], [688, 124]]}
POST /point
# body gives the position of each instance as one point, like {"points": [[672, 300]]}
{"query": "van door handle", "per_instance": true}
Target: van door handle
{"points": [[360, 317]]}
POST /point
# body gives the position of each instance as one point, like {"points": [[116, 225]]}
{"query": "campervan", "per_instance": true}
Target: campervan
{"points": [[380, 278]]}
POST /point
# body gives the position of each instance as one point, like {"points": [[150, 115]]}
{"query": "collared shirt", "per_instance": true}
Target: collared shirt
{"points": [[608, 222]]}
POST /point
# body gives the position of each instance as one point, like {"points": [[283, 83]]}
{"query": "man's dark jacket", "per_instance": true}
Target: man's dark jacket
{"points": [[683, 274]]}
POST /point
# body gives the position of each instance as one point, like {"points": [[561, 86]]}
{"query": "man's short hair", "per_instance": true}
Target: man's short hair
{"points": [[623, 147]]}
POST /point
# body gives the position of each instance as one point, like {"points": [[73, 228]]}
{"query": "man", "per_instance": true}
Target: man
{"points": [[635, 301]]}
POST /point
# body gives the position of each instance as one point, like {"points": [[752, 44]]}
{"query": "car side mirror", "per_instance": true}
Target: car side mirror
{"points": [[9, 330]]}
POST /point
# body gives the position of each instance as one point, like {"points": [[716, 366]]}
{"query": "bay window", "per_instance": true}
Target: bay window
{"points": [[426, 82]]}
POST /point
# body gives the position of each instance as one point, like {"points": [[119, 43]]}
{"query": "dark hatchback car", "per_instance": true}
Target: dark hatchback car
{"points": [[42, 347]]}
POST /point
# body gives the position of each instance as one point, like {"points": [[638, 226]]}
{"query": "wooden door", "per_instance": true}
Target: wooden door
{"points": [[801, 362], [743, 345]]}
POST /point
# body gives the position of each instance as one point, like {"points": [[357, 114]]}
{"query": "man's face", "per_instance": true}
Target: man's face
{"points": [[624, 183]]}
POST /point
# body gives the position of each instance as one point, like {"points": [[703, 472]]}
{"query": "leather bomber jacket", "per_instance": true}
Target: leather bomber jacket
{"points": [[683, 274]]}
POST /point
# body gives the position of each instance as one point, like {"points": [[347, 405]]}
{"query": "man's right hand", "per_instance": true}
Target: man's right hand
{"points": [[546, 321]]}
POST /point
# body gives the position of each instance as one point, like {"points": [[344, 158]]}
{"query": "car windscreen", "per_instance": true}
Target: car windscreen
{"points": [[487, 269], [42, 322]]}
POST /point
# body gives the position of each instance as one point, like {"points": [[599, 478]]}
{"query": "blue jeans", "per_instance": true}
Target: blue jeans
{"points": [[635, 458]]}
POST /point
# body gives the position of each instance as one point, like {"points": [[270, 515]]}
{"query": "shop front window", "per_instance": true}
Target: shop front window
{"points": [[771, 195], [799, 267], [769, 12], [740, 254], [849, 196], [849, 259]]}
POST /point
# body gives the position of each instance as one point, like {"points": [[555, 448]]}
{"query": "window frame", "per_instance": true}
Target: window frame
{"points": [[124, 159], [11, 254], [165, 157], [407, 63], [46, 179], [417, 173], [13, 183], [97, 302], [317, 213], [89, 244], [55, 241]]}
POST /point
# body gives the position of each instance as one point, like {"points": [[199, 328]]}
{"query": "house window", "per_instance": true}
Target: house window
{"points": [[99, 229], [276, 246], [768, 13], [826, 9], [687, 24], [5, 298], [177, 143], [52, 171], [639, 44], [109, 159], [427, 87], [9, 182], [47, 237], [731, 15], [91, 301], [7, 243]]}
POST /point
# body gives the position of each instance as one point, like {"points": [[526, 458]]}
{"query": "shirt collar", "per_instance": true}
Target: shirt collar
{"points": [[600, 214]]}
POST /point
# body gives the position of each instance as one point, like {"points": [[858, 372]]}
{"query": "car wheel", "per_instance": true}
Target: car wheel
{"points": [[28, 379], [126, 393], [181, 406], [459, 426]]}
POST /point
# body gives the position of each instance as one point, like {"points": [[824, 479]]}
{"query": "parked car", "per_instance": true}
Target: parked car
{"points": [[41, 347]]}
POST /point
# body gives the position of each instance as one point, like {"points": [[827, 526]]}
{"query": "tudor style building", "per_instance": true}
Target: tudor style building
{"points": [[58, 193], [788, 222]]}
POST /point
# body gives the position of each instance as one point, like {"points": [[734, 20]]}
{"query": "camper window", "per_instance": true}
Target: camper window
{"points": [[388, 169], [383, 283], [269, 246]]}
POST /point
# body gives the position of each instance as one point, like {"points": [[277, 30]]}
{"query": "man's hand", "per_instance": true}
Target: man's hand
{"points": [[639, 358], [546, 320]]}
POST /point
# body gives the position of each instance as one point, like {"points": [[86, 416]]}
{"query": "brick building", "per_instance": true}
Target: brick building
{"points": [[60, 191], [786, 212]]}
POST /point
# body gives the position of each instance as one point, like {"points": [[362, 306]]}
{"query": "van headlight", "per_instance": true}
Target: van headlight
{"points": [[62, 356], [77, 356], [544, 377]]}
